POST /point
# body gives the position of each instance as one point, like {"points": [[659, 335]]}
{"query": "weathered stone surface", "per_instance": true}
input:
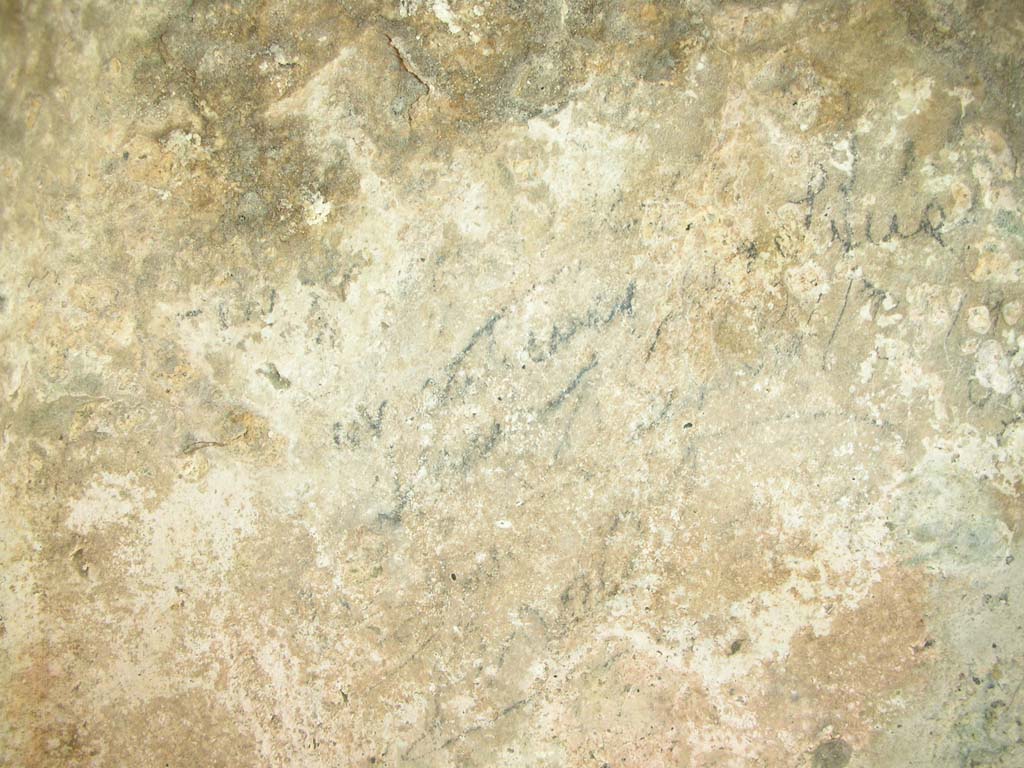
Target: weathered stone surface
{"points": [[502, 383]]}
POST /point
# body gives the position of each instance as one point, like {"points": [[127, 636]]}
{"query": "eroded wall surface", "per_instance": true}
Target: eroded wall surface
{"points": [[511, 383]]}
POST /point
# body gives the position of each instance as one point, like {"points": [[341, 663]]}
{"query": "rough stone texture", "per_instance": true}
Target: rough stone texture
{"points": [[507, 383]]}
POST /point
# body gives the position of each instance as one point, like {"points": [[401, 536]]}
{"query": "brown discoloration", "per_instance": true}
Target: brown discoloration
{"points": [[840, 682]]}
